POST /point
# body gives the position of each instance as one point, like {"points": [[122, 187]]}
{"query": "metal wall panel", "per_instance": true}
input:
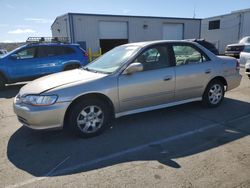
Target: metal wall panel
{"points": [[60, 27], [233, 27], [86, 28]]}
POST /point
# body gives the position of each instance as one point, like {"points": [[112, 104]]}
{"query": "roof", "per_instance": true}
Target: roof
{"points": [[124, 16], [142, 44], [52, 44], [232, 12]]}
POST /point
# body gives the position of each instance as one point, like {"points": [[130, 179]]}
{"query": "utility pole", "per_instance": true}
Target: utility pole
{"points": [[194, 15]]}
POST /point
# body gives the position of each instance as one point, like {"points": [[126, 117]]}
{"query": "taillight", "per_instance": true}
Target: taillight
{"points": [[237, 64], [85, 54]]}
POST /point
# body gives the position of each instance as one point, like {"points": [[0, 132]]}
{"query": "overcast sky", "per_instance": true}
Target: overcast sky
{"points": [[22, 18]]}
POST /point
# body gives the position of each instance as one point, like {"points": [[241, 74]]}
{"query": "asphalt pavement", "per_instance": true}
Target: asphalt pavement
{"points": [[182, 146]]}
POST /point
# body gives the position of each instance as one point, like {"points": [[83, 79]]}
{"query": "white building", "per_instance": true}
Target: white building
{"points": [[226, 29], [107, 31]]}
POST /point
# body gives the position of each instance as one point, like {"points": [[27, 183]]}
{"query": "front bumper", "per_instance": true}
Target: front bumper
{"points": [[232, 53], [41, 117], [247, 66]]}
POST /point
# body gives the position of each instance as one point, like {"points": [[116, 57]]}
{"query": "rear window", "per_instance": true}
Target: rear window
{"points": [[207, 45]]}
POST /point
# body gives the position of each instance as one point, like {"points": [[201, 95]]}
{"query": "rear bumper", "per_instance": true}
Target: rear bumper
{"points": [[233, 81], [41, 117]]}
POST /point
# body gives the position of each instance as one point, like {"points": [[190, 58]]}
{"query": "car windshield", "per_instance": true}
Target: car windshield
{"points": [[245, 40], [12, 52], [112, 60]]}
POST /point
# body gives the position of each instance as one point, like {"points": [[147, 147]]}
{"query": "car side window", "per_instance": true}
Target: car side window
{"points": [[247, 48], [41, 52], [186, 54], [50, 51], [27, 53], [68, 50], [154, 58], [60, 50]]}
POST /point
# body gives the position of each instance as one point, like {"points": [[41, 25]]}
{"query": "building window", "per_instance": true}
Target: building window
{"points": [[214, 25]]}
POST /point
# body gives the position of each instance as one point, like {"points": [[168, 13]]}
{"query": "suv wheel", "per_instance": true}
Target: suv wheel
{"points": [[2, 82], [71, 67], [214, 94], [89, 118]]}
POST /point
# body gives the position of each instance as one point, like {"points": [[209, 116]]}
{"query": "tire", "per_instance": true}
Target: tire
{"points": [[214, 94], [71, 67], [2, 83], [249, 76], [89, 118]]}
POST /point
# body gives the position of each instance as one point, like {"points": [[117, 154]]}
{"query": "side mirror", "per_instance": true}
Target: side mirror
{"points": [[13, 56], [132, 68]]}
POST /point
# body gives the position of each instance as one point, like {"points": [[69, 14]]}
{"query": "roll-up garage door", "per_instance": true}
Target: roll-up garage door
{"points": [[113, 30], [173, 31]]}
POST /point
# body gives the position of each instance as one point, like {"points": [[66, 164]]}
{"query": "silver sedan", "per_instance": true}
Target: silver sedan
{"points": [[129, 79]]}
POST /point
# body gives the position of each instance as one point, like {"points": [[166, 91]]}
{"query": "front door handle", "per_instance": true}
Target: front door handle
{"points": [[208, 71], [167, 78]]}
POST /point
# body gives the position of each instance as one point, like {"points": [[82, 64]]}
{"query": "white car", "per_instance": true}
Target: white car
{"points": [[2, 52], [247, 66], [245, 59], [245, 55]]}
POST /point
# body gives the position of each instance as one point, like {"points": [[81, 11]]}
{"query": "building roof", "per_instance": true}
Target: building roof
{"points": [[232, 12], [133, 16]]}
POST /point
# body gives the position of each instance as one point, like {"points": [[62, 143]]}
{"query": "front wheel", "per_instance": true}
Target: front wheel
{"points": [[2, 82], [89, 118], [214, 94]]}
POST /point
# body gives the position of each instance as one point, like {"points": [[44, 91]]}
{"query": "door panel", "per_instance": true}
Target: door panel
{"points": [[191, 80], [26, 66], [51, 58], [193, 71], [145, 89]]}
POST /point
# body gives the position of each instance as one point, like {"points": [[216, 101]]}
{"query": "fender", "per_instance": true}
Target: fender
{"points": [[8, 81]]}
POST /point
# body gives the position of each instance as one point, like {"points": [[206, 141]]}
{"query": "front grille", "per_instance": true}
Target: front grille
{"points": [[235, 48]]}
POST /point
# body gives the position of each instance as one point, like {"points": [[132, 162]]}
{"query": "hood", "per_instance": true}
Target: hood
{"points": [[238, 44], [59, 79]]}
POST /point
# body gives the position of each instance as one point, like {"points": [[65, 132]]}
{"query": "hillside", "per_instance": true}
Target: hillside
{"points": [[10, 46]]}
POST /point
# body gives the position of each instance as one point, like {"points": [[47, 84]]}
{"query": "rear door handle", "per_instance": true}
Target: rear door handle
{"points": [[167, 78], [208, 71]]}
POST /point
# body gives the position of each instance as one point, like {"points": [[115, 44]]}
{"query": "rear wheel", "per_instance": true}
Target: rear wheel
{"points": [[89, 118], [2, 82], [71, 67], [214, 94]]}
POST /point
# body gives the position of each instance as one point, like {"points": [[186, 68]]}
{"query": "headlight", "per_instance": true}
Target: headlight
{"points": [[40, 100]]}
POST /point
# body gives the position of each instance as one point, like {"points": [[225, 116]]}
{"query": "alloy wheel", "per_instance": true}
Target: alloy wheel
{"points": [[90, 119]]}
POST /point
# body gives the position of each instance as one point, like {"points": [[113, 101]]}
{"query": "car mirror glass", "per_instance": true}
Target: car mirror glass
{"points": [[14, 56]]}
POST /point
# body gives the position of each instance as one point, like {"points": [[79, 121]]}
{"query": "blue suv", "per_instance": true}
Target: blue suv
{"points": [[38, 59]]}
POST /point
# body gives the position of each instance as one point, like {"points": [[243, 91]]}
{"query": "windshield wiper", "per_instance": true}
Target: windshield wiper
{"points": [[90, 70], [95, 71]]}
